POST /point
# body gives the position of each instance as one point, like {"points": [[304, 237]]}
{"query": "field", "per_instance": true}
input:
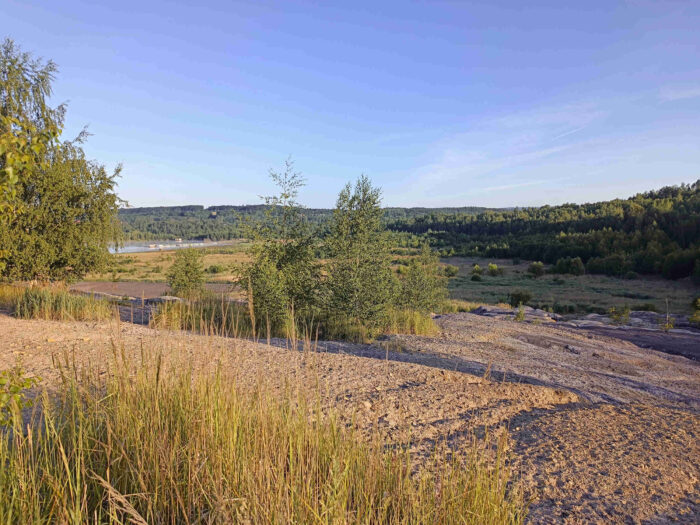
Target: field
{"points": [[153, 266], [568, 293]]}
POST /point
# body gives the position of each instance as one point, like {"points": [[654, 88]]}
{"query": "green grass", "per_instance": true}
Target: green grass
{"points": [[568, 293], [53, 303], [156, 442]]}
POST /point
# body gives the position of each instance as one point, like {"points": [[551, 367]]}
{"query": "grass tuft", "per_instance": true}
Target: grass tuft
{"points": [[58, 304]]}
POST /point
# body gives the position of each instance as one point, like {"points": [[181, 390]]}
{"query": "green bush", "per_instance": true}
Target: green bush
{"points": [[619, 316], [616, 264], [451, 271], [216, 268], [476, 278], [569, 265], [518, 297], [186, 276], [476, 269], [536, 269], [493, 270]]}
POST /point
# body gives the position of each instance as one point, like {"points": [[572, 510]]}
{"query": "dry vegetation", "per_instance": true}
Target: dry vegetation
{"points": [[153, 434]]}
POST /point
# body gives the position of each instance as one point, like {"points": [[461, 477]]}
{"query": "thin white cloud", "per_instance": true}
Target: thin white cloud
{"points": [[673, 94]]}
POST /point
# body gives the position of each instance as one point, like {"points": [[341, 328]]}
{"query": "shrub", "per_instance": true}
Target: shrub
{"points": [[619, 316], [422, 288], [518, 297], [616, 264], [216, 268], [520, 314], [476, 278], [186, 276], [451, 271], [569, 265], [476, 269], [494, 270], [680, 264], [536, 269], [631, 275]]}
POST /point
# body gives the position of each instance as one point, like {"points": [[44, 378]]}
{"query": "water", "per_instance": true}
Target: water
{"points": [[155, 246]]}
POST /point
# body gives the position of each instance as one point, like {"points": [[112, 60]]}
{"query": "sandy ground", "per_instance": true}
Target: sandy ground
{"points": [[601, 431], [138, 289]]}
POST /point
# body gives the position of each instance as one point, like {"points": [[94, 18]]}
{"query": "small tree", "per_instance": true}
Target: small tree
{"points": [[476, 269], [283, 275], [186, 275], [361, 285], [536, 269], [58, 210], [423, 287]]}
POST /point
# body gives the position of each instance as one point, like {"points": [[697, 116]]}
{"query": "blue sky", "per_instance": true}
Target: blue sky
{"points": [[439, 103]]}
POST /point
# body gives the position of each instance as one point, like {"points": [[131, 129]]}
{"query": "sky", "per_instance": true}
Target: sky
{"points": [[440, 103]]}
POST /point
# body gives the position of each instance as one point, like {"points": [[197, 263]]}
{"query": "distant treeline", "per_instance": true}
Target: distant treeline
{"points": [[226, 222], [657, 232]]}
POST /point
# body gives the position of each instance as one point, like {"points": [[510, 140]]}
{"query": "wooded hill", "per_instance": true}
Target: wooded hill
{"points": [[657, 232], [653, 232]]}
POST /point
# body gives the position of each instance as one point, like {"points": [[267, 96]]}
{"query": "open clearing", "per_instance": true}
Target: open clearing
{"points": [[607, 432], [570, 293]]}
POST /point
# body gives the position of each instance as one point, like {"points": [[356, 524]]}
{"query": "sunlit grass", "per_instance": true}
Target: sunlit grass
{"points": [[52, 303], [157, 442]]}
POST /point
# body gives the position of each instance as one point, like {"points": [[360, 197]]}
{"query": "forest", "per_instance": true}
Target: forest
{"points": [[656, 232]]}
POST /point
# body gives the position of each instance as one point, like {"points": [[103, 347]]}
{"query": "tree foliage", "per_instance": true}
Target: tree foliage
{"points": [[186, 275], [360, 281], [58, 209], [283, 275]]}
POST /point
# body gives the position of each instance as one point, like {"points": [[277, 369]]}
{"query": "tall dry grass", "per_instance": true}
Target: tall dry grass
{"points": [[58, 304], [159, 443], [218, 316]]}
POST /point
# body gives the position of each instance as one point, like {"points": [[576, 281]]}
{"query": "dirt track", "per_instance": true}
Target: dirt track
{"points": [[601, 430]]}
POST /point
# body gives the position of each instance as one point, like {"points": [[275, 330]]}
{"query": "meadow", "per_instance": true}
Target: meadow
{"points": [[569, 294]]}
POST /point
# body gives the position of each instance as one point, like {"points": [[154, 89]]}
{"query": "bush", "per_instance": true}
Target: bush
{"points": [[423, 287], [518, 297], [569, 265], [476, 269], [536, 269], [494, 270], [520, 314], [619, 316], [186, 276], [616, 264], [631, 276], [216, 268], [476, 278], [451, 271], [681, 263]]}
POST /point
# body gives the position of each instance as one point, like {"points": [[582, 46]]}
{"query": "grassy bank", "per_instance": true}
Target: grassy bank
{"points": [[156, 442], [52, 303]]}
